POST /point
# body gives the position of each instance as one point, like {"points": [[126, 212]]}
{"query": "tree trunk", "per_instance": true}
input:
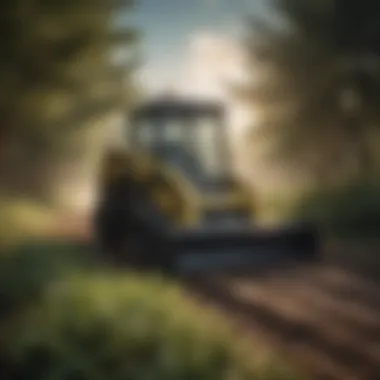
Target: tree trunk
{"points": [[361, 149]]}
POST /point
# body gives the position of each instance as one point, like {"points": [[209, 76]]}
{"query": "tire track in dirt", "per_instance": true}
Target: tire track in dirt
{"points": [[325, 318]]}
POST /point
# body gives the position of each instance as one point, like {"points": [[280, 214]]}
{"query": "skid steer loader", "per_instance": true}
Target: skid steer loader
{"points": [[169, 200]]}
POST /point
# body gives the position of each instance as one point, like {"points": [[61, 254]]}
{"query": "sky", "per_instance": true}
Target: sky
{"points": [[189, 45]]}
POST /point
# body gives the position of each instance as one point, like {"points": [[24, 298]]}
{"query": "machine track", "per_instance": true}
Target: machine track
{"points": [[327, 320]]}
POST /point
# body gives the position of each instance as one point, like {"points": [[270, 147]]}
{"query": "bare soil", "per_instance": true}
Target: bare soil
{"points": [[325, 319]]}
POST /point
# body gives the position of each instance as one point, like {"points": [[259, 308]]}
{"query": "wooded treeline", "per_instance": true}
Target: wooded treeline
{"points": [[60, 87], [318, 95]]}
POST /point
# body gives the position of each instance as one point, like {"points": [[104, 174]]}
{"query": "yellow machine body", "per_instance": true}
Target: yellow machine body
{"points": [[170, 190]]}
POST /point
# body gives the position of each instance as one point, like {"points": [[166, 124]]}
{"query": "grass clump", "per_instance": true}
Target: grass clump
{"points": [[22, 219]]}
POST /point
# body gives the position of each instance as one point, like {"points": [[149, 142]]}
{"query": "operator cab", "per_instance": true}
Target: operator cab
{"points": [[188, 135]]}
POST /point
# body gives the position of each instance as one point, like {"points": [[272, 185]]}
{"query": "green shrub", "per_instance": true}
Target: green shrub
{"points": [[108, 327], [27, 269], [345, 211]]}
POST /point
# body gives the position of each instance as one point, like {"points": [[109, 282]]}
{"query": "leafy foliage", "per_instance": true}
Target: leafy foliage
{"points": [[58, 83], [320, 81], [346, 211]]}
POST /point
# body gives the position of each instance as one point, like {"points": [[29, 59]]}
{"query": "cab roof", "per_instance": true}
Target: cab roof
{"points": [[178, 108]]}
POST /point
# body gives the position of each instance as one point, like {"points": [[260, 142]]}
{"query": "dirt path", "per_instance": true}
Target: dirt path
{"points": [[326, 319]]}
